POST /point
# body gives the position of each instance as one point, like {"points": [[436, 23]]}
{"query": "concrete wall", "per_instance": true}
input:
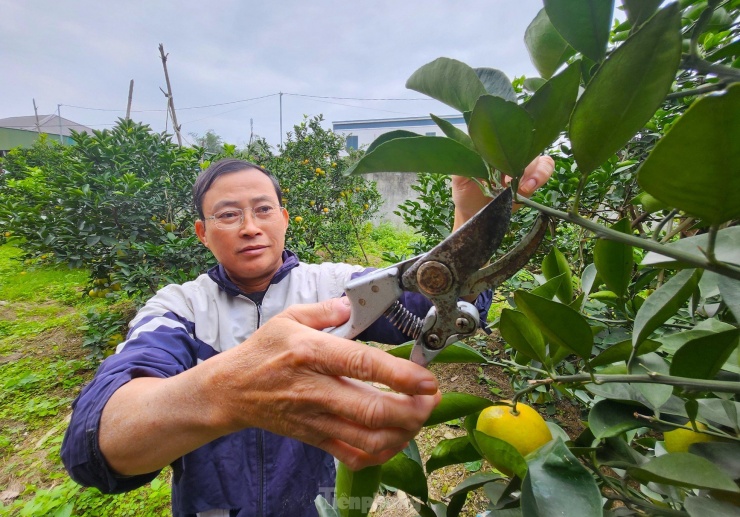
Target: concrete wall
{"points": [[394, 189]]}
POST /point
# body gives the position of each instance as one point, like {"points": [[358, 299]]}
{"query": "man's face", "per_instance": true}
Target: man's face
{"points": [[251, 253]]}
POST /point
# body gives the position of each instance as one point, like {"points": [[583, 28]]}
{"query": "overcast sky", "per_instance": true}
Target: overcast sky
{"points": [[83, 53]]}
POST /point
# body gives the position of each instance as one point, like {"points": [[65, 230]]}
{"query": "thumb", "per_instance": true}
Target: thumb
{"points": [[329, 313]]}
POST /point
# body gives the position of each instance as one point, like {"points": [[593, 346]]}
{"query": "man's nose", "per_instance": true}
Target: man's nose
{"points": [[249, 226]]}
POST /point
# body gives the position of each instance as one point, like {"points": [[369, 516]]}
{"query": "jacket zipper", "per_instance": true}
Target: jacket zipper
{"points": [[260, 445]]}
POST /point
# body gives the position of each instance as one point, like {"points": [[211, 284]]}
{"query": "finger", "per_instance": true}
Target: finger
{"points": [[329, 313], [346, 358], [536, 174], [355, 458]]}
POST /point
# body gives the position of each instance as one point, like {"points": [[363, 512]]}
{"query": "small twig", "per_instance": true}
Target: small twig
{"points": [[677, 426], [707, 88]]}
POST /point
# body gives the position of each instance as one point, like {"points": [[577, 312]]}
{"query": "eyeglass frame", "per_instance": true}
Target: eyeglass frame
{"points": [[242, 215]]}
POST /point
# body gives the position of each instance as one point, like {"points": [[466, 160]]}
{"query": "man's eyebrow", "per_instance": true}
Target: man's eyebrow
{"points": [[231, 202]]}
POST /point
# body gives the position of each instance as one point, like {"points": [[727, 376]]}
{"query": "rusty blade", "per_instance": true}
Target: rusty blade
{"points": [[465, 251]]}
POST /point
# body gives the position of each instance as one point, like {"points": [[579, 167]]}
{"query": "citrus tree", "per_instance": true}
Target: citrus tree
{"points": [[642, 116]]}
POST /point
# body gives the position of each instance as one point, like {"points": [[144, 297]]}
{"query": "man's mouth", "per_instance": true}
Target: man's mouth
{"points": [[249, 250]]}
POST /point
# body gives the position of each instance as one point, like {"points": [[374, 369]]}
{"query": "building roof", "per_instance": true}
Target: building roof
{"points": [[395, 122], [48, 124]]}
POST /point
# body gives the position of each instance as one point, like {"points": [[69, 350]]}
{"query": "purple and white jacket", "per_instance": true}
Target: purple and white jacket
{"points": [[248, 473]]}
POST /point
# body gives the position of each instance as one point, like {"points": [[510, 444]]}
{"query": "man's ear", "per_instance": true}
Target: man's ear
{"points": [[286, 217], [200, 231]]}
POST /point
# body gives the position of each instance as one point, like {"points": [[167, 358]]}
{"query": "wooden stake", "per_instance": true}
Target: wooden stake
{"points": [[169, 95], [36, 112]]}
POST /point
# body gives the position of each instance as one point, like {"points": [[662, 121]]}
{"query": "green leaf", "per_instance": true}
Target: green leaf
{"points": [[406, 474], [422, 154], [655, 394], [622, 352], [556, 264], [455, 353], [451, 452], [626, 90], [516, 329], [584, 24], [323, 507], [470, 423], [614, 260], [460, 493], [355, 490], [729, 289], [454, 405], [551, 106], [725, 455], [648, 203], [501, 454], [496, 83], [663, 303], [559, 323], [639, 11], [549, 288], [532, 84], [589, 279], [609, 418], [449, 81], [547, 48], [707, 507], [684, 469], [557, 484], [398, 133], [727, 248], [703, 357], [696, 165], [453, 132], [503, 132]]}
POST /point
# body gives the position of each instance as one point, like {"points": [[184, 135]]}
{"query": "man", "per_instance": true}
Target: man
{"points": [[229, 379]]}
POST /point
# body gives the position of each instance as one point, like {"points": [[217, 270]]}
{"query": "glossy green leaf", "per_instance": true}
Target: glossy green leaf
{"points": [[549, 288], [729, 289], [323, 508], [501, 454], [454, 405], [406, 474], [453, 132], [455, 353], [496, 83], [422, 154], [532, 84], [551, 106], [449, 81], [547, 48], [622, 352], [451, 452], [626, 90], [696, 165], [614, 260], [557, 484], [470, 423], [524, 337], [639, 11], [727, 248], [391, 135], [584, 24], [725, 455], [648, 203], [355, 490], [655, 394], [684, 469], [663, 303], [703, 357], [609, 418], [503, 133], [459, 494], [708, 507], [559, 323], [556, 264]]}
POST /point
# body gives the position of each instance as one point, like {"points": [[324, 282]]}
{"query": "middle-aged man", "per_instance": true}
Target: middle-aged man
{"points": [[230, 380]]}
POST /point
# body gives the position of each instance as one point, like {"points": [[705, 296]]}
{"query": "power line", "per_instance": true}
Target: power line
{"points": [[356, 98], [178, 109]]}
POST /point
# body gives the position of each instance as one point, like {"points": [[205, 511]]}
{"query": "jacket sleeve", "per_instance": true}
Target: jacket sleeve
{"points": [[383, 331], [158, 345]]}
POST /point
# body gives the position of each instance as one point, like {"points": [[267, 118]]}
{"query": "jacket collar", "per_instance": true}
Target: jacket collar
{"points": [[218, 274]]}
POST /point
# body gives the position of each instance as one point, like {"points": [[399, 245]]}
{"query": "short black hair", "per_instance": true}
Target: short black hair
{"points": [[220, 168]]}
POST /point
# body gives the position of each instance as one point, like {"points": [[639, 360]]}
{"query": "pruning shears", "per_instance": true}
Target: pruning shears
{"points": [[448, 273]]}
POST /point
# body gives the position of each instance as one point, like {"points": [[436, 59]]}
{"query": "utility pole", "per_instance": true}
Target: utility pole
{"points": [[36, 112], [59, 116], [171, 102], [281, 120], [130, 97]]}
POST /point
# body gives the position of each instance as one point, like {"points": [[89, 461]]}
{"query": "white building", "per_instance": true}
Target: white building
{"points": [[394, 187]]}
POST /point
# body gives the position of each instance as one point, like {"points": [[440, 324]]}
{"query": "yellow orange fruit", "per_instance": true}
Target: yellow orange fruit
{"points": [[679, 440], [526, 431]]}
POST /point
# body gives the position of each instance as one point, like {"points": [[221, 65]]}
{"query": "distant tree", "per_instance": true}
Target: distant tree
{"points": [[210, 141]]}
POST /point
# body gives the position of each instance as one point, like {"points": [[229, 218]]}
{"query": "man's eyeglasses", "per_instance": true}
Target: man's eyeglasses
{"points": [[234, 217]]}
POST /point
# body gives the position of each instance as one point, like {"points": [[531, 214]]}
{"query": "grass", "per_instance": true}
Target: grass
{"points": [[42, 369]]}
